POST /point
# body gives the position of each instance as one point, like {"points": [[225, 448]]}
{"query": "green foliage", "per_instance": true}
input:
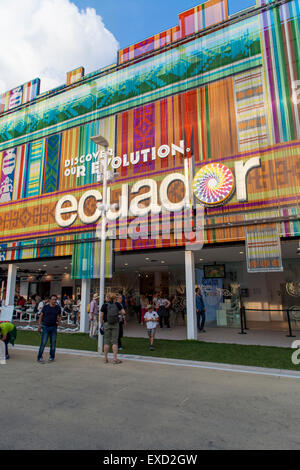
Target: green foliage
{"points": [[258, 356]]}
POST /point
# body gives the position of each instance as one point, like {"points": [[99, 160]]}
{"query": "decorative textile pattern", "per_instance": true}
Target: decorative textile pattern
{"points": [[203, 118], [69, 150], [216, 93], [35, 167], [251, 110], [280, 40], [20, 170], [86, 258], [46, 248], [191, 21], [7, 175], [263, 249], [288, 228], [39, 168], [202, 16], [27, 253], [65, 249], [148, 45], [21, 94], [75, 75], [195, 63], [36, 249], [52, 163]]}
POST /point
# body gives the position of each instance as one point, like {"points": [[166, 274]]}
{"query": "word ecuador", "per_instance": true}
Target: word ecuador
{"points": [[76, 166], [70, 208]]}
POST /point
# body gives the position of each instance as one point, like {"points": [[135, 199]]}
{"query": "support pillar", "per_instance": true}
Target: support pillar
{"points": [[11, 284], [190, 295], [157, 280], [85, 300]]}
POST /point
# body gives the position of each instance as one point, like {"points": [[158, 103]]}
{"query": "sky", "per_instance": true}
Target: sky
{"points": [[47, 38]]}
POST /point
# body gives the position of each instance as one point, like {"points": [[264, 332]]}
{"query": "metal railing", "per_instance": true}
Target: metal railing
{"points": [[243, 319]]}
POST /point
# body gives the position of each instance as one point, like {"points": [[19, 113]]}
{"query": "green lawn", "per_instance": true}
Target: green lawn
{"points": [[260, 356]]}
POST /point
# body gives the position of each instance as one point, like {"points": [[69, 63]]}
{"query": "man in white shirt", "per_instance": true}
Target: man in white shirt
{"points": [[151, 319]]}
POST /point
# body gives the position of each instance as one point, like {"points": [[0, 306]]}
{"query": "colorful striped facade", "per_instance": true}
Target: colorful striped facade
{"points": [[228, 89]]}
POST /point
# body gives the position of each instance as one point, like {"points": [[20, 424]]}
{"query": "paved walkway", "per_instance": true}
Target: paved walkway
{"points": [[220, 335], [79, 402], [173, 362]]}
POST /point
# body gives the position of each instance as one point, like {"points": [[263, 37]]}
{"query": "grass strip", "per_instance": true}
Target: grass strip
{"points": [[247, 355]]}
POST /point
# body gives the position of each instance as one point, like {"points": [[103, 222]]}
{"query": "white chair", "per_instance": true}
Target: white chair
{"points": [[31, 314], [23, 313]]}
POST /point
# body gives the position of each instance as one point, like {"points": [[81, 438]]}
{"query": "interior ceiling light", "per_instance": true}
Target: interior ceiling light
{"points": [[147, 259], [241, 252]]}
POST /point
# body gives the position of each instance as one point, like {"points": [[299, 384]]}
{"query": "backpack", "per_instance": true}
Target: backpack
{"points": [[112, 314]]}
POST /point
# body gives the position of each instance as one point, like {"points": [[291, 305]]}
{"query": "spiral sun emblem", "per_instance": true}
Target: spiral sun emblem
{"points": [[213, 183]]}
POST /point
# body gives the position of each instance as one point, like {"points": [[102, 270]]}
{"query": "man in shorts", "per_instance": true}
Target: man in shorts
{"points": [[151, 318], [109, 319]]}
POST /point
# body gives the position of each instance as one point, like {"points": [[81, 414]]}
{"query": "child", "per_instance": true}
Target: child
{"points": [[151, 319]]}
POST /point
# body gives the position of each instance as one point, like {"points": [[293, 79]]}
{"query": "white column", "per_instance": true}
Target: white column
{"points": [[11, 284], [85, 300], [190, 295]]}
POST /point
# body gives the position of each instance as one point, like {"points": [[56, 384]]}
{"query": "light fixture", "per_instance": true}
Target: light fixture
{"points": [[44, 265], [201, 259], [147, 259], [162, 262], [125, 264], [241, 252]]}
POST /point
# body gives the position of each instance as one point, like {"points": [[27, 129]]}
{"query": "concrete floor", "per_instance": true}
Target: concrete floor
{"points": [[82, 403], [257, 334]]}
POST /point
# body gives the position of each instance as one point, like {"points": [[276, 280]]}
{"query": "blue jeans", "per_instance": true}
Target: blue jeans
{"points": [[46, 332], [200, 318]]}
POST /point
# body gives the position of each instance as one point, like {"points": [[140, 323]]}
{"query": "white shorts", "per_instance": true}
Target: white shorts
{"points": [[151, 332]]}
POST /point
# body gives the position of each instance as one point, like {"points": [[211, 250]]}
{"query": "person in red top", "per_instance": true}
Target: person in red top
{"points": [[21, 301]]}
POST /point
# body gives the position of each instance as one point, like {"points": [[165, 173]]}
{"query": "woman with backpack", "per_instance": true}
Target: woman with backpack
{"points": [[111, 311]]}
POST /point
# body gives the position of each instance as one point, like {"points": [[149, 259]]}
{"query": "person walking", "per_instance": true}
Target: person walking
{"points": [[151, 319], [109, 319], [163, 305], [49, 318], [200, 310], [93, 312], [8, 334]]}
